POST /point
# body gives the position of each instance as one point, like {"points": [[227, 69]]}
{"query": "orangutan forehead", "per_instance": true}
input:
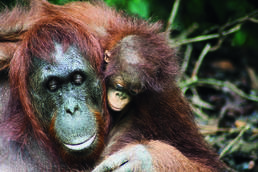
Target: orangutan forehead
{"points": [[65, 56], [64, 63], [129, 50]]}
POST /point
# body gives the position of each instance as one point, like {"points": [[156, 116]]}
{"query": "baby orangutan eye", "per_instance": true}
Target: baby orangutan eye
{"points": [[119, 87], [135, 91]]}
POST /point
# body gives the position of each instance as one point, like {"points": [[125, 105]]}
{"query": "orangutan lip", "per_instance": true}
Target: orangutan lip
{"points": [[114, 108], [82, 145]]}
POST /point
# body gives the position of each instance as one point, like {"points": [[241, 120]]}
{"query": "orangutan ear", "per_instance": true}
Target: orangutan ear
{"points": [[107, 56]]}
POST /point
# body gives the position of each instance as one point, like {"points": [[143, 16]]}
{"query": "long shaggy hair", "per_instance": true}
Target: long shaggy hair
{"points": [[20, 123]]}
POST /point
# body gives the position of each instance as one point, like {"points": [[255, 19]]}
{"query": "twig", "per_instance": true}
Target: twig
{"points": [[233, 142], [187, 32], [196, 39], [217, 83], [221, 38], [172, 16], [253, 78], [199, 113], [248, 17], [205, 37], [196, 100], [200, 59], [254, 20], [208, 130], [236, 26], [187, 56]]}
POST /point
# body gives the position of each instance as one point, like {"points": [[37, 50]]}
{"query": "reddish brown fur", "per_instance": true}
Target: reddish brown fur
{"points": [[163, 116], [21, 125], [6, 51], [160, 113], [17, 21], [175, 160]]}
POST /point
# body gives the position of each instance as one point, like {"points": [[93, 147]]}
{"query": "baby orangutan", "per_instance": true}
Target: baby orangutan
{"points": [[154, 121]]}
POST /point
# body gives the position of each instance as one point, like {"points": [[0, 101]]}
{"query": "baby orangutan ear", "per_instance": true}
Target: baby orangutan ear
{"points": [[107, 56], [117, 95]]}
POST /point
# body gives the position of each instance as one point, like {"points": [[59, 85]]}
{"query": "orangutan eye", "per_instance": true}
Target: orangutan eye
{"points": [[78, 79], [133, 92], [119, 87], [52, 85]]}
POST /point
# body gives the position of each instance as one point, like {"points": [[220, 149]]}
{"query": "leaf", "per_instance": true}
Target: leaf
{"points": [[239, 38], [139, 7]]}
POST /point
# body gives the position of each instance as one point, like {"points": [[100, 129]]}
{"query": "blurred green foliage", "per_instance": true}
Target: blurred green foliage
{"points": [[139, 7], [239, 38], [61, 2], [208, 15], [214, 13], [142, 8]]}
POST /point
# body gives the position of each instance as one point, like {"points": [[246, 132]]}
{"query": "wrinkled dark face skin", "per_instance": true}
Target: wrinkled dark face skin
{"points": [[66, 93]]}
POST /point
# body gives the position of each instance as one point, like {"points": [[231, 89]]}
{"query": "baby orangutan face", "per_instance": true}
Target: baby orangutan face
{"points": [[119, 93], [118, 98], [126, 82]]}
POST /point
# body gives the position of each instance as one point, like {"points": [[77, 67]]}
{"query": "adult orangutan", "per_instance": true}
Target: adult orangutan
{"points": [[54, 120], [56, 96]]}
